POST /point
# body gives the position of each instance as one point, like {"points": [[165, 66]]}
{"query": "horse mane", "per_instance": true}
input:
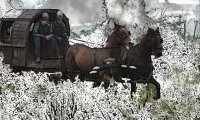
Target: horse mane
{"points": [[143, 38], [149, 32], [117, 27]]}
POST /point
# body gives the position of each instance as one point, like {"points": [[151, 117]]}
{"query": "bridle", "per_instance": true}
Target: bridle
{"points": [[120, 35], [151, 37]]}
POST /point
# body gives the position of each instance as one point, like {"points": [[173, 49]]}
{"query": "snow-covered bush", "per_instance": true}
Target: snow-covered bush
{"points": [[30, 95]]}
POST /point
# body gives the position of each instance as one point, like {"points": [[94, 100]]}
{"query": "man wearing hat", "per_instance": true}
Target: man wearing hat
{"points": [[60, 32], [43, 37]]}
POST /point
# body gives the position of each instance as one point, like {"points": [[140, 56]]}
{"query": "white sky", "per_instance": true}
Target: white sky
{"points": [[182, 1]]}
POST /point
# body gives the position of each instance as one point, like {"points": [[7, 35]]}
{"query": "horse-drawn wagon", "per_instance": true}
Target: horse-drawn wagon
{"points": [[16, 43], [16, 40]]}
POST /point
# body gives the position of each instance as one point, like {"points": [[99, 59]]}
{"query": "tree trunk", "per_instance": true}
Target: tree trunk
{"points": [[184, 30], [195, 28]]}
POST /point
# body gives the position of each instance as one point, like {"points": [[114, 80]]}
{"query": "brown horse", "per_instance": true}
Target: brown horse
{"points": [[138, 63], [82, 58]]}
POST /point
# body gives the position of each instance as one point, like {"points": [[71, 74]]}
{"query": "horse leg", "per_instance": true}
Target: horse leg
{"points": [[153, 81], [63, 69], [72, 76], [68, 74], [64, 75], [82, 77], [70, 71], [96, 81], [133, 89], [64, 72], [106, 80], [109, 80], [96, 84]]}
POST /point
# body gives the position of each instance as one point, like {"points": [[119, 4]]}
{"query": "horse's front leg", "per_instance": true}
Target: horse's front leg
{"points": [[107, 80], [133, 89], [153, 81]]}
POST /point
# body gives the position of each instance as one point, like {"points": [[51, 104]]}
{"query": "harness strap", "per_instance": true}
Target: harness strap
{"points": [[124, 57], [107, 67], [94, 63]]}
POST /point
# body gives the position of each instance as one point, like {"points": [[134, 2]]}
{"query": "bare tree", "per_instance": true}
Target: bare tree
{"points": [[12, 6], [195, 28]]}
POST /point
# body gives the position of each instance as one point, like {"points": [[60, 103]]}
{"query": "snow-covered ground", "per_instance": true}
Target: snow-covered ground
{"points": [[30, 95]]}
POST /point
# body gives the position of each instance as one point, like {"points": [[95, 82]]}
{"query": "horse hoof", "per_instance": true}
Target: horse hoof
{"points": [[64, 76], [105, 86], [96, 84], [131, 96], [113, 85], [125, 86], [72, 80], [157, 97], [82, 80]]}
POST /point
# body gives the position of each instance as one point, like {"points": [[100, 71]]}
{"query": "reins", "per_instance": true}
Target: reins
{"points": [[86, 42]]}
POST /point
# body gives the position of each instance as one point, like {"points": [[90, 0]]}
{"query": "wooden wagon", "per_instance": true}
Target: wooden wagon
{"points": [[16, 41]]}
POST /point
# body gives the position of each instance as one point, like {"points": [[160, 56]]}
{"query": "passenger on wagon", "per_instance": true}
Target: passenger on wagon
{"points": [[60, 32], [43, 38]]}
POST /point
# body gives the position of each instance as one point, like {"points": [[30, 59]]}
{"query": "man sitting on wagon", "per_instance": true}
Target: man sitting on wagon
{"points": [[60, 32], [43, 37]]}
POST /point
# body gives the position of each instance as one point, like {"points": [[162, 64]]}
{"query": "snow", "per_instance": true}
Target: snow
{"points": [[15, 8], [30, 95], [182, 1]]}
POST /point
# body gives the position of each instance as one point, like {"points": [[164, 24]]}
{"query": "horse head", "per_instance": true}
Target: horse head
{"points": [[156, 42], [120, 36]]}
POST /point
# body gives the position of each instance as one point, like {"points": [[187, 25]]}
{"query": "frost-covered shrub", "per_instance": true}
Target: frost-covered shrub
{"points": [[28, 95]]}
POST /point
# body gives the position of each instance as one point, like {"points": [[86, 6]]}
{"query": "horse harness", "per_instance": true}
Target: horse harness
{"points": [[147, 66], [94, 63], [103, 66]]}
